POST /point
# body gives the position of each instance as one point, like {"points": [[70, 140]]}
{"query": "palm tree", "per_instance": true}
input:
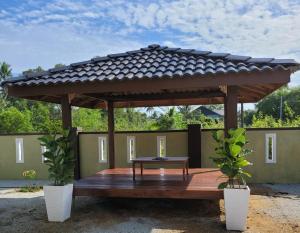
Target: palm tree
{"points": [[150, 110], [186, 111], [5, 71]]}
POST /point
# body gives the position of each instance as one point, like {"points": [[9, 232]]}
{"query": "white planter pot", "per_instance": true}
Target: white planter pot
{"points": [[58, 202], [236, 207]]}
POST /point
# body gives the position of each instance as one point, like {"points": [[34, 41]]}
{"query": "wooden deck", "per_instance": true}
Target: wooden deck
{"points": [[201, 183]]}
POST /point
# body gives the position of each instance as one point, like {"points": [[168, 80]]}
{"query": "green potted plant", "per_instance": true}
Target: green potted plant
{"points": [[60, 160], [231, 159]]}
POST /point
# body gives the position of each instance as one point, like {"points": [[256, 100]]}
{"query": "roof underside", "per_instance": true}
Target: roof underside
{"points": [[156, 76]]}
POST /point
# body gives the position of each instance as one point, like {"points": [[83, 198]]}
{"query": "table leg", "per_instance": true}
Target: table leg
{"points": [[183, 171], [142, 168], [133, 170], [187, 167]]}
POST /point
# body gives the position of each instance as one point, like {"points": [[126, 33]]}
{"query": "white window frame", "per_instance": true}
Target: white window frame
{"points": [[19, 150], [43, 150], [164, 138], [102, 151], [273, 136], [129, 155]]}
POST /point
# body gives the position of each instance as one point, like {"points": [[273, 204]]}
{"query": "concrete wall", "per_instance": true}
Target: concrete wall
{"points": [[146, 145], [285, 170], [9, 169]]}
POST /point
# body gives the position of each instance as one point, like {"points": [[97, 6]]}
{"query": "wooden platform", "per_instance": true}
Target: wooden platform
{"points": [[201, 183]]}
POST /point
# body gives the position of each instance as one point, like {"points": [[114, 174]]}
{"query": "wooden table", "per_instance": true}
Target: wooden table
{"points": [[167, 160]]}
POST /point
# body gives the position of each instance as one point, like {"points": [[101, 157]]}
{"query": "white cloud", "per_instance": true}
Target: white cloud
{"points": [[65, 31]]}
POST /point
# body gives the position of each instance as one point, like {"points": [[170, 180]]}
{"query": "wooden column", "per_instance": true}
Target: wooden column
{"points": [[194, 145], [242, 115], [66, 112], [230, 108], [111, 134], [75, 143]]}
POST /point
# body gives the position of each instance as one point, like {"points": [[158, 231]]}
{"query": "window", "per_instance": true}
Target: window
{"points": [[161, 146], [43, 150], [130, 148], [102, 147], [19, 150], [270, 148]]}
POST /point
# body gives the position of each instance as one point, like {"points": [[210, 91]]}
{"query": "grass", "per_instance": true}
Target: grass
{"points": [[30, 189]]}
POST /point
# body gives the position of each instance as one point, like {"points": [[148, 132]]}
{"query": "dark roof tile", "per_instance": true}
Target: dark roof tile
{"points": [[237, 58], [260, 60], [218, 55], [75, 64], [153, 61]]}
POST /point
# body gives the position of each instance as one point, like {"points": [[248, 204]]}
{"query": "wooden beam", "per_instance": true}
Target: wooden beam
{"points": [[136, 85], [158, 96], [230, 108], [171, 102], [111, 134], [66, 111]]}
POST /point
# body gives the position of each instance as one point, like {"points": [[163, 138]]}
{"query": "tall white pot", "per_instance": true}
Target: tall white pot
{"points": [[58, 202], [236, 207]]}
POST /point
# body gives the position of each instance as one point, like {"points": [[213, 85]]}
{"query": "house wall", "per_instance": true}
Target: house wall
{"points": [[285, 170]]}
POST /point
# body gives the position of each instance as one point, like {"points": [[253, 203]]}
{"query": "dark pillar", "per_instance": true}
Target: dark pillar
{"points": [[75, 143], [230, 108], [194, 145], [111, 134], [242, 115], [66, 112]]}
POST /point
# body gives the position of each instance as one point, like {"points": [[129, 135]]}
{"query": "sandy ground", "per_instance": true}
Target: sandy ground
{"points": [[270, 211]]}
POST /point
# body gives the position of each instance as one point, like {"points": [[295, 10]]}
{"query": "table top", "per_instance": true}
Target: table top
{"points": [[166, 159]]}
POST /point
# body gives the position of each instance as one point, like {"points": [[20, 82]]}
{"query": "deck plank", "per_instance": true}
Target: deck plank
{"points": [[201, 183]]}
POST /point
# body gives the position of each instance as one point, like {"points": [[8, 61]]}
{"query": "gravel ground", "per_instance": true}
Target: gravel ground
{"points": [[270, 211]]}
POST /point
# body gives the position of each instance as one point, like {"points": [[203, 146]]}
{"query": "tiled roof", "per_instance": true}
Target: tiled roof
{"points": [[154, 61]]}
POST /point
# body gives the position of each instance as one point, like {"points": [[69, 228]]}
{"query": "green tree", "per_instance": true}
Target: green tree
{"points": [[5, 71], [186, 111], [166, 121], [89, 119], [14, 121]]}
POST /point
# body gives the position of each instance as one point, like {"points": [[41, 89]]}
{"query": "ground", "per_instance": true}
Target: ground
{"points": [[272, 209]]}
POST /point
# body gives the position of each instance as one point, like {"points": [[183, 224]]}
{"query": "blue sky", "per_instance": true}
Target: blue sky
{"points": [[63, 31]]}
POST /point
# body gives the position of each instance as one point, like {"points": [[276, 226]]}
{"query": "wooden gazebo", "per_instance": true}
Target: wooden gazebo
{"points": [[155, 76]]}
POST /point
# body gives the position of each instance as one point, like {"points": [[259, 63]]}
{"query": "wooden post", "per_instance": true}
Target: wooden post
{"points": [[66, 112], [194, 145], [75, 143], [242, 115], [230, 108], [111, 134]]}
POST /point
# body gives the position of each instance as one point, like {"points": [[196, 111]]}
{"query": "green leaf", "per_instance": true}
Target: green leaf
{"points": [[222, 185], [235, 149], [246, 174]]}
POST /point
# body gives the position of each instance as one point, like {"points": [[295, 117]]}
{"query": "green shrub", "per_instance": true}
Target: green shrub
{"points": [[231, 156], [59, 157], [30, 175]]}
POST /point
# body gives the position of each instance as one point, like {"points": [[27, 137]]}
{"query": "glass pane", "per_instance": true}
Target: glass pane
{"points": [[270, 148], [102, 149], [162, 148], [131, 149]]}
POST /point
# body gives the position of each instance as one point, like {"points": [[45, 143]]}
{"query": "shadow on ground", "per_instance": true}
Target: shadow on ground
{"points": [[113, 215]]}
